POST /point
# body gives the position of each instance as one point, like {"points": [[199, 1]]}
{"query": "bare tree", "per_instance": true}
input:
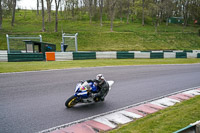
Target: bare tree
{"points": [[95, 6], [43, 25], [185, 6], [90, 10], [142, 12], [8, 5], [157, 13], [1, 13], [112, 13], [168, 8], [13, 13], [56, 15], [49, 2], [133, 4], [38, 7], [101, 11], [128, 11], [120, 9], [195, 9], [72, 8]]}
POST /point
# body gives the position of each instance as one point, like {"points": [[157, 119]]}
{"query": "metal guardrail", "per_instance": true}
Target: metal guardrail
{"points": [[192, 128]]}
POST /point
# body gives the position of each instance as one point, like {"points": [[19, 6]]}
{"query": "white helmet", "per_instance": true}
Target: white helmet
{"points": [[100, 77]]}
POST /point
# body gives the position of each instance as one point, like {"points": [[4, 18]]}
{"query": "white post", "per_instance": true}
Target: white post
{"points": [[76, 42], [8, 45], [40, 38], [62, 43]]}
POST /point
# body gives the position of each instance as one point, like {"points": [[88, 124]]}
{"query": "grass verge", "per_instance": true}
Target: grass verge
{"points": [[168, 120], [93, 37], [36, 66]]}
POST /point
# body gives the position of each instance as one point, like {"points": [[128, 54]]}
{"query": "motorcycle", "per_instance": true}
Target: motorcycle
{"points": [[83, 93]]}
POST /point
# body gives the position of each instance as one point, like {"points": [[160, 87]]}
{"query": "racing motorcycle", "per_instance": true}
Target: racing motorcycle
{"points": [[83, 93]]}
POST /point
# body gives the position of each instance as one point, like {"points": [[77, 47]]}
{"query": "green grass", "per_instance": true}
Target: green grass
{"points": [[168, 120], [41, 65], [93, 37]]}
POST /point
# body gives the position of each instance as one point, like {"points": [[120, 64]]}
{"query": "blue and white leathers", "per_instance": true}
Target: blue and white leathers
{"points": [[83, 93]]}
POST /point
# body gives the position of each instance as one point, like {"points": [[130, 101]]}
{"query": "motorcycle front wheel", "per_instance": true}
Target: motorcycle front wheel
{"points": [[71, 102]]}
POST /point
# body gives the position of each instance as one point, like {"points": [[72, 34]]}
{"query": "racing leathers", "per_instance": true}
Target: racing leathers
{"points": [[103, 88]]}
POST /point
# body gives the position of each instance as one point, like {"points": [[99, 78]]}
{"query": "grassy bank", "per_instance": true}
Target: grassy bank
{"points": [[165, 121], [93, 37], [41, 65]]}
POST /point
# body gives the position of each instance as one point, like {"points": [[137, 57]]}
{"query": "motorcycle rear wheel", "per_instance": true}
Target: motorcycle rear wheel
{"points": [[71, 101]]}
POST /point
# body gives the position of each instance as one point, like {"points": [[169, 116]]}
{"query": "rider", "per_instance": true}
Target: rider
{"points": [[102, 86]]}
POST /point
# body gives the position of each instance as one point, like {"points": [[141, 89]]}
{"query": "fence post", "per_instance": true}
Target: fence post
{"points": [[62, 43], [8, 45], [76, 43], [40, 38]]}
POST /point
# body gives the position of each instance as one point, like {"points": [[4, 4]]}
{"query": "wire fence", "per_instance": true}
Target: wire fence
{"points": [[16, 44], [69, 42]]}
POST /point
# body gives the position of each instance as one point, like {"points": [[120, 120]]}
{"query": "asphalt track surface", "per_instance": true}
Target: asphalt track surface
{"points": [[34, 101]]}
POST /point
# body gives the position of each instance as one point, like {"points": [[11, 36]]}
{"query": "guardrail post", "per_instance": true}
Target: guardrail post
{"points": [[198, 128]]}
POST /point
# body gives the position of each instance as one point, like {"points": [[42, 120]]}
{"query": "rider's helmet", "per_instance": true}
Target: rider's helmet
{"points": [[100, 78]]}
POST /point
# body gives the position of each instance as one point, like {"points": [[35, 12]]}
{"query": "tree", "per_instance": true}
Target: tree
{"points": [[168, 8], [13, 13], [132, 9], [195, 9], [120, 9], [128, 10], [38, 7], [7, 6], [43, 25], [101, 11], [185, 6], [112, 13], [56, 15], [1, 13], [49, 2], [142, 12], [157, 14], [90, 10]]}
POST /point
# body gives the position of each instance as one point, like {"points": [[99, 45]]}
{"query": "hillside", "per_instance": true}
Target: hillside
{"points": [[93, 37]]}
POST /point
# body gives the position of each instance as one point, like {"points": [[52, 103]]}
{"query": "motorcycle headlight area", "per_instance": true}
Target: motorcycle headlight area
{"points": [[83, 88]]}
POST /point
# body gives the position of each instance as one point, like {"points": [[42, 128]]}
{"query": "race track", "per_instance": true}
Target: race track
{"points": [[34, 101]]}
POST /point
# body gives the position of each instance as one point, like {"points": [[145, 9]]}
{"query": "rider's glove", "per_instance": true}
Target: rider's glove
{"points": [[93, 95]]}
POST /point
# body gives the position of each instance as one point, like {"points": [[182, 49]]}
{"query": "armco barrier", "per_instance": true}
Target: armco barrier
{"points": [[125, 55], [169, 55], [181, 55], [198, 55], [142, 55], [63, 56], [191, 55], [156, 55], [84, 55], [3, 55], [14, 57], [106, 55], [192, 128]]}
